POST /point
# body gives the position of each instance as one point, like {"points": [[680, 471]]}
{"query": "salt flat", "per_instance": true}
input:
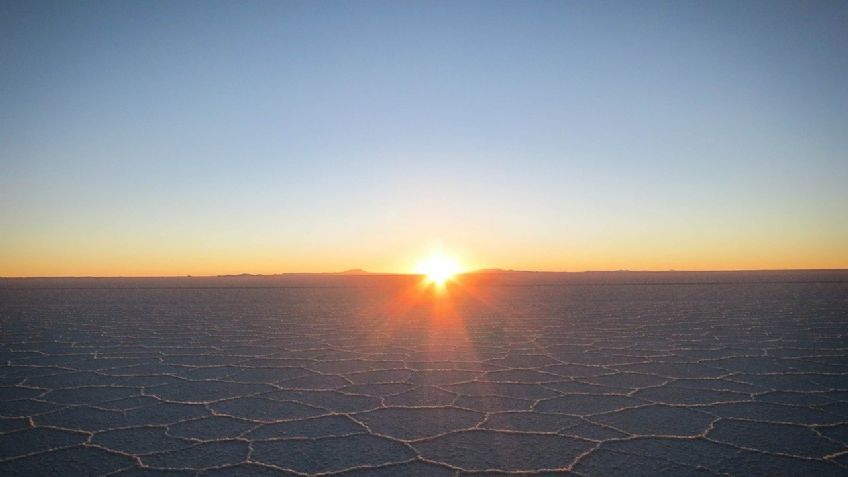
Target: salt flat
{"points": [[598, 374]]}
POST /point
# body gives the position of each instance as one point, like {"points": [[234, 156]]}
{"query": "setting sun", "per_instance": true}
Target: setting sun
{"points": [[438, 268]]}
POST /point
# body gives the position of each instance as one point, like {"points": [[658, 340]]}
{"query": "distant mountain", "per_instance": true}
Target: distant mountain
{"points": [[353, 271], [496, 270]]}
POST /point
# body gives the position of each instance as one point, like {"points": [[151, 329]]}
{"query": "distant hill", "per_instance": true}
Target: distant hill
{"points": [[353, 271], [507, 271], [489, 270]]}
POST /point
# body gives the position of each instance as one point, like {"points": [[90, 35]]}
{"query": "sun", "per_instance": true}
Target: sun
{"points": [[438, 268]]}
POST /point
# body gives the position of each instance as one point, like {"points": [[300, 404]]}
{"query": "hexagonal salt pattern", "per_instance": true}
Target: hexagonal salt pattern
{"points": [[662, 379]]}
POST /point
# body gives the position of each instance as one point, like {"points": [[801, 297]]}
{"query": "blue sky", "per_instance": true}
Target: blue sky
{"points": [[202, 137]]}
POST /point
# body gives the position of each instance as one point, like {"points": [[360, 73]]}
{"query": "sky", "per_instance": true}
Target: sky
{"points": [[173, 138]]}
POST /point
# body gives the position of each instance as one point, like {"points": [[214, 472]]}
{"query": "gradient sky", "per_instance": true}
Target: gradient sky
{"points": [[167, 138]]}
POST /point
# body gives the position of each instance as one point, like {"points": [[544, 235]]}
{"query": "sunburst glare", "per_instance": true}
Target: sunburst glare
{"points": [[438, 268]]}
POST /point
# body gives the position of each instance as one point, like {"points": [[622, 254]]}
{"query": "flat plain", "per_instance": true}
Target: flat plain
{"points": [[530, 374]]}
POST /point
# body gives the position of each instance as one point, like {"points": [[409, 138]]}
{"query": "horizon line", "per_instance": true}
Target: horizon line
{"points": [[481, 271]]}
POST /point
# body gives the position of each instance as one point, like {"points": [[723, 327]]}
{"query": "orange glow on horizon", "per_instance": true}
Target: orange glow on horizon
{"points": [[69, 255]]}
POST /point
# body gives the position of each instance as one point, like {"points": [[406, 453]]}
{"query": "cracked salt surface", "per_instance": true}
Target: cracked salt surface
{"points": [[682, 378]]}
